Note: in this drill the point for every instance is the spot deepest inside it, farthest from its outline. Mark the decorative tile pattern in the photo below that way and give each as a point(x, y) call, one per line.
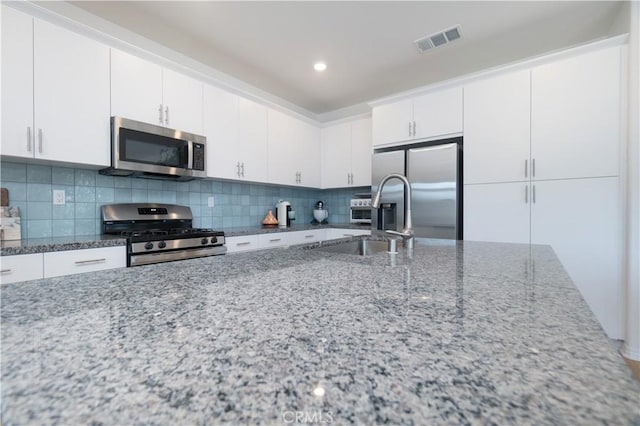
point(236, 203)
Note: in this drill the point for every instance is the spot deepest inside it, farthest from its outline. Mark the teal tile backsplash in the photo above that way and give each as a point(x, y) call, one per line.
point(236, 203)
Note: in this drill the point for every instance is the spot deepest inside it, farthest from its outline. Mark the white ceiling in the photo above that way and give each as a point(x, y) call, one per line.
point(367, 45)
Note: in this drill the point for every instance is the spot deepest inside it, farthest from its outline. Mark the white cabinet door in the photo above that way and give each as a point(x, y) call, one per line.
point(307, 148)
point(22, 267)
point(71, 94)
point(438, 113)
point(580, 219)
point(392, 122)
point(497, 129)
point(252, 140)
point(361, 152)
point(306, 237)
point(575, 116)
point(182, 100)
point(88, 260)
point(136, 88)
point(282, 154)
point(17, 84)
point(221, 130)
point(241, 243)
point(497, 212)
point(336, 156)
point(273, 240)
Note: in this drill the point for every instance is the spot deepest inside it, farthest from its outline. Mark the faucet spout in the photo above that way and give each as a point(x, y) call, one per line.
point(407, 231)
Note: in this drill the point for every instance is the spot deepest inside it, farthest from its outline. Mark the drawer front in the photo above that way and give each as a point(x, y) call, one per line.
point(22, 267)
point(78, 261)
point(307, 237)
point(242, 243)
point(333, 234)
point(276, 239)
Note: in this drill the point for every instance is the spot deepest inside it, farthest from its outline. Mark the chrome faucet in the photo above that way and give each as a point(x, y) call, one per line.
point(407, 231)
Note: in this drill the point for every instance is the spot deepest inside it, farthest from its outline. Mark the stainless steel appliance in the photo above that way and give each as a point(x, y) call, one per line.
point(434, 170)
point(146, 150)
point(160, 232)
point(360, 210)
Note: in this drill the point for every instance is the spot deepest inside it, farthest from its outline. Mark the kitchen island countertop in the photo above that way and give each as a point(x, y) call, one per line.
point(462, 333)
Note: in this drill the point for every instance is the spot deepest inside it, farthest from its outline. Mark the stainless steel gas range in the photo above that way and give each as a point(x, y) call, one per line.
point(160, 232)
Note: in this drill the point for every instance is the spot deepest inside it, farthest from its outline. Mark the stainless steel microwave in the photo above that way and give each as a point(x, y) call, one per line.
point(146, 150)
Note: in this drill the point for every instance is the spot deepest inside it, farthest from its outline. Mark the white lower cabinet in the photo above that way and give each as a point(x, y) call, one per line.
point(35, 266)
point(579, 218)
point(272, 240)
point(333, 233)
point(241, 243)
point(22, 267)
point(71, 262)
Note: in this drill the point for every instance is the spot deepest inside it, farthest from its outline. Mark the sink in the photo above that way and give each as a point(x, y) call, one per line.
point(360, 247)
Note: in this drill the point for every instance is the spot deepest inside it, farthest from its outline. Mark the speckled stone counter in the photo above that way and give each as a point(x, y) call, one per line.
point(43, 245)
point(472, 333)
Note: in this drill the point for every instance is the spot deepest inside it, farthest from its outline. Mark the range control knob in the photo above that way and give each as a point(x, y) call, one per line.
point(204, 241)
point(148, 246)
point(162, 244)
point(214, 240)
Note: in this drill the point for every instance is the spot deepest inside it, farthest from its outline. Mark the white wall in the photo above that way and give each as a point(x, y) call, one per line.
point(632, 333)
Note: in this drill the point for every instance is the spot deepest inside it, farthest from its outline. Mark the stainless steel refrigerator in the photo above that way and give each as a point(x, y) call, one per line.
point(435, 172)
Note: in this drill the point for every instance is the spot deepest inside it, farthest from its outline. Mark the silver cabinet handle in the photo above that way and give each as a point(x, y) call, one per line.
point(348, 178)
point(349, 235)
point(533, 168)
point(242, 169)
point(238, 169)
point(534, 194)
point(308, 236)
point(5, 271)
point(526, 194)
point(166, 115)
point(526, 168)
point(244, 243)
point(410, 129)
point(87, 262)
point(299, 177)
point(414, 129)
point(40, 141)
point(160, 117)
point(275, 240)
point(28, 138)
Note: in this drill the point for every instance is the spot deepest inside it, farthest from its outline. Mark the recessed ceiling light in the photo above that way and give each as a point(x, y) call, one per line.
point(319, 66)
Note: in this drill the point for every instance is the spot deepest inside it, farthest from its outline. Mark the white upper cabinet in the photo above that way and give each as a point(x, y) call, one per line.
point(575, 116)
point(221, 130)
point(136, 88)
point(361, 151)
point(55, 105)
point(423, 117)
point(497, 115)
point(336, 155)
point(236, 131)
point(144, 91)
point(437, 114)
point(346, 154)
point(252, 140)
point(294, 151)
point(17, 83)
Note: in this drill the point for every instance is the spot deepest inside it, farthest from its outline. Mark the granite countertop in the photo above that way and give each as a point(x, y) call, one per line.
point(464, 333)
point(43, 245)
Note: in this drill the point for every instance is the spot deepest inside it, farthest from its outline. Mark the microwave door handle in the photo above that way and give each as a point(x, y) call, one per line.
point(190, 155)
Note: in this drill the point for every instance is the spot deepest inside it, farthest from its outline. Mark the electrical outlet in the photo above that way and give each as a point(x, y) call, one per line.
point(59, 196)
point(210, 202)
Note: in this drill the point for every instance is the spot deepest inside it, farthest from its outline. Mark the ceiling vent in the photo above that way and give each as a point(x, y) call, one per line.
point(438, 39)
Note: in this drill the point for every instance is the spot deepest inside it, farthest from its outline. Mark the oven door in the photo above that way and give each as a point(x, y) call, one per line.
point(360, 215)
point(142, 147)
